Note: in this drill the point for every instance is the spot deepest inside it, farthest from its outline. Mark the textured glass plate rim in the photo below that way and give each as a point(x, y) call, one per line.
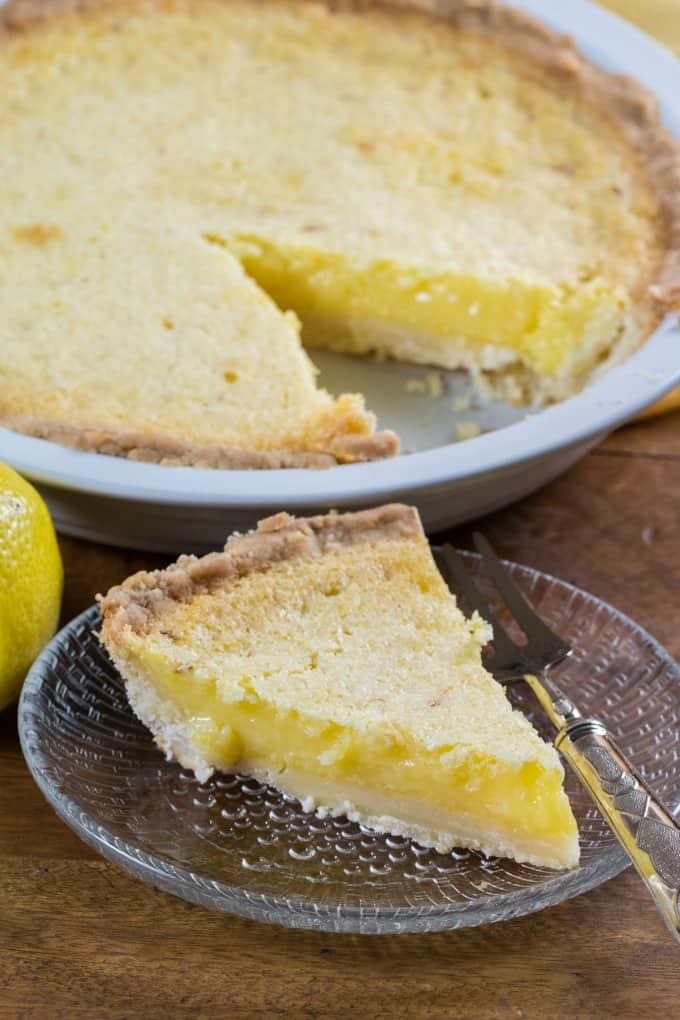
point(294, 910)
point(610, 42)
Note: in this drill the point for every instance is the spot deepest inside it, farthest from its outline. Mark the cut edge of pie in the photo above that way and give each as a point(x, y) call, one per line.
point(211, 733)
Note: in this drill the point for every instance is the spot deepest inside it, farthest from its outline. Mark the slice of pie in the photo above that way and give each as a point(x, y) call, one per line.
point(327, 657)
point(446, 183)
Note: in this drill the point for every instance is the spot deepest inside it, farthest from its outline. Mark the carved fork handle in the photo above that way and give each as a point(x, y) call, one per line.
point(648, 834)
point(645, 830)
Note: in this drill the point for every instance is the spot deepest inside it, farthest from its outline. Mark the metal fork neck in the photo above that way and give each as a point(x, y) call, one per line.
point(560, 710)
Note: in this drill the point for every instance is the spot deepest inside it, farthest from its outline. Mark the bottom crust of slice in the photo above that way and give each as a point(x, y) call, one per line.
point(413, 820)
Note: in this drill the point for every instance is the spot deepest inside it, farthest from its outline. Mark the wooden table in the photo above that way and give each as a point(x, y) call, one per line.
point(78, 938)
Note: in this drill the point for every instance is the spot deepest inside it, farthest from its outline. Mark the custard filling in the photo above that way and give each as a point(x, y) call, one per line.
point(450, 779)
point(541, 324)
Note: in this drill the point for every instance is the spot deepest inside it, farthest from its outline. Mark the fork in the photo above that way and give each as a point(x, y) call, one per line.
point(646, 831)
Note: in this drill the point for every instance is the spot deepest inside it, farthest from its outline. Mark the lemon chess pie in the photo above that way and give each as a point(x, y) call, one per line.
point(326, 656)
point(447, 183)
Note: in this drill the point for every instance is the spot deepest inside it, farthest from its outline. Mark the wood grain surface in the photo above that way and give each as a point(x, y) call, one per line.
point(79, 939)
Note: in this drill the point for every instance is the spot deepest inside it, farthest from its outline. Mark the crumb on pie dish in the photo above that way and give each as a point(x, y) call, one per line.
point(327, 657)
point(195, 189)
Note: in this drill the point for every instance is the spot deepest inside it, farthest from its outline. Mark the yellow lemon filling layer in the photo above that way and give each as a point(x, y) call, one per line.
point(539, 323)
point(449, 779)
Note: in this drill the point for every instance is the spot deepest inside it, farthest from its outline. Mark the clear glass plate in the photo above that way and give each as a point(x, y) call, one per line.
point(234, 845)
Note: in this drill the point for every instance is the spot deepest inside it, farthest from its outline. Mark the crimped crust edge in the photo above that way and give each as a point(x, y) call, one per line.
point(147, 595)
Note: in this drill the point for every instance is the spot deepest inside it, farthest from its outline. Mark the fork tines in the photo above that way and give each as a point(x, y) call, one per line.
point(508, 659)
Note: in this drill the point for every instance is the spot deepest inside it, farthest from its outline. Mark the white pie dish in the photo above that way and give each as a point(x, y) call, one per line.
point(173, 509)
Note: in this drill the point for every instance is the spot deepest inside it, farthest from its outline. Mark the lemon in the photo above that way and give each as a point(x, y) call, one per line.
point(31, 580)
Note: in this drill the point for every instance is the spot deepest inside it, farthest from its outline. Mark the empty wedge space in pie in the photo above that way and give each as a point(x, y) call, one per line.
point(192, 189)
point(326, 656)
